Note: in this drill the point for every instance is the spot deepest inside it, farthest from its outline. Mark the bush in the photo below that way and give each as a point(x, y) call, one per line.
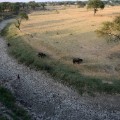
point(9, 101)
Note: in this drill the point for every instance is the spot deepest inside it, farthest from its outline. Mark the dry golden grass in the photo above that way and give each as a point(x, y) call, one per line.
point(71, 33)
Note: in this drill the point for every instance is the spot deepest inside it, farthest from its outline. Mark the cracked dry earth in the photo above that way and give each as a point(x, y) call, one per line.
point(49, 100)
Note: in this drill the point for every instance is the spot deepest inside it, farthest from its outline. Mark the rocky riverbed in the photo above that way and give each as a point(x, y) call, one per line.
point(48, 100)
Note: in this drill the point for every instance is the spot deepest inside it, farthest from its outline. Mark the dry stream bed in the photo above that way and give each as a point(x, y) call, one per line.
point(49, 100)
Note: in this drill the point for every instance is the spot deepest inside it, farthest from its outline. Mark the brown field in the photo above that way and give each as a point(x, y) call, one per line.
point(69, 33)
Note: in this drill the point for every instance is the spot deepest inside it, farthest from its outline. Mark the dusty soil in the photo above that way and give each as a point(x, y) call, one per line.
point(71, 33)
point(49, 100)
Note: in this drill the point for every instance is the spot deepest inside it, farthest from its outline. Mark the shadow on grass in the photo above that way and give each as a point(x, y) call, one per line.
point(61, 72)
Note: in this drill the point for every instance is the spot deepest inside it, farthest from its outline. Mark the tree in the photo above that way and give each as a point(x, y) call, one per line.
point(80, 4)
point(22, 16)
point(111, 30)
point(0, 11)
point(43, 5)
point(16, 8)
point(95, 4)
point(5, 7)
point(33, 4)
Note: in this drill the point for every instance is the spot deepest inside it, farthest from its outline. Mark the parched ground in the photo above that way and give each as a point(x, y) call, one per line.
point(48, 100)
point(70, 32)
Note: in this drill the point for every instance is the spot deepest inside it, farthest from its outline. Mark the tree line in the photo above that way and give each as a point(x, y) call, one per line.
point(8, 9)
point(109, 29)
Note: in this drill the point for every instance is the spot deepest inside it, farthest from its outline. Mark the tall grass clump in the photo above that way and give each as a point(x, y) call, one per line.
point(9, 101)
point(61, 72)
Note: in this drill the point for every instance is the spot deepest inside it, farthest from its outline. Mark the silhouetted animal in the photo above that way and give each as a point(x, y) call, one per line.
point(18, 76)
point(8, 44)
point(31, 35)
point(77, 60)
point(40, 54)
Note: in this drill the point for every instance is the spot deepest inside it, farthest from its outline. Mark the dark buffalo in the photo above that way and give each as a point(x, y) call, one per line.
point(8, 44)
point(42, 55)
point(77, 60)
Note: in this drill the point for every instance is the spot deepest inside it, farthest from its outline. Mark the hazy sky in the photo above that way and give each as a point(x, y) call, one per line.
point(34, 0)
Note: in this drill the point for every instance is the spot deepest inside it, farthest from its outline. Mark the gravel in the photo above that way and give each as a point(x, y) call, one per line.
point(49, 100)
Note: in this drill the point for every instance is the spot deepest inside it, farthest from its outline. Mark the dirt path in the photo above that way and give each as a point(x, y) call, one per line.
point(48, 100)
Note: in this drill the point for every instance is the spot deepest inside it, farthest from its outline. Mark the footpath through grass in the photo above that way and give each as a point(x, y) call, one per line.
point(24, 53)
point(8, 100)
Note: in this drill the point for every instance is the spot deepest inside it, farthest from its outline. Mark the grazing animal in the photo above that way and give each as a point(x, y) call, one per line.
point(42, 55)
point(8, 44)
point(18, 76)
point(77, 60)
point(31, 36)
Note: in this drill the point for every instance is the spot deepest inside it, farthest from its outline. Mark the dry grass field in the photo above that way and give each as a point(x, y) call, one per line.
point(69, 33)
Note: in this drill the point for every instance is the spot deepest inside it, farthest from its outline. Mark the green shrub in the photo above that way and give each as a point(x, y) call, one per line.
point(3, 118)
point(9, 101)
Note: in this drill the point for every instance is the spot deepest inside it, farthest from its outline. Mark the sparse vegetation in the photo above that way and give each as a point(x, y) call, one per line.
point(3, 118)
point(80, 4)
point(111, 30)
point(60, 39)
point(43, 6)
point(95, 4)
point(9, 10)
point(8, 100)
point(68, 75)
point(33, 4)
point(53, 37)
point(22, 16)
